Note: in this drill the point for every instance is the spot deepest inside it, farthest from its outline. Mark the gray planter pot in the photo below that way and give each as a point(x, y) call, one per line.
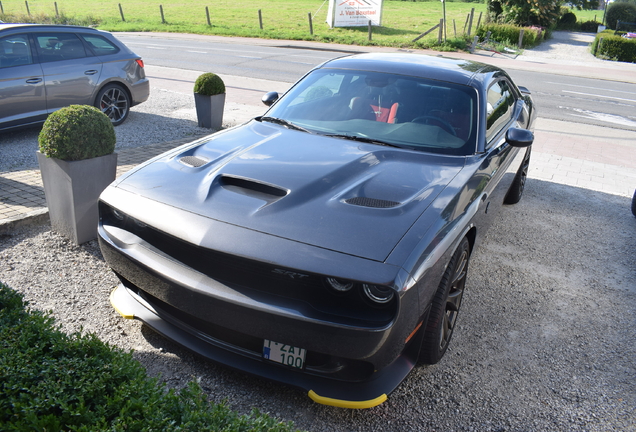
point(210, 110)
point(72, 190)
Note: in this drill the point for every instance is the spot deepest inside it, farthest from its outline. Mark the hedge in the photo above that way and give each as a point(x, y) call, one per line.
point(52, 381)
point(509, 34)
point(614, 47)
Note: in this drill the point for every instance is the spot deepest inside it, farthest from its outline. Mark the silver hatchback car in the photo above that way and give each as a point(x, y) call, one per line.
point(46, 67)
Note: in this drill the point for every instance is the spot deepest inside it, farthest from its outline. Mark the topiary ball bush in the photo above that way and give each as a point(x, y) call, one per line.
point(620, 12)
point(209, 84)
point(568, 19)
point(77, 132)
point(590, 26)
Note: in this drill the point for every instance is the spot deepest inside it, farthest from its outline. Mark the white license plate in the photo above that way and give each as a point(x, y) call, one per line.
point(284, 354)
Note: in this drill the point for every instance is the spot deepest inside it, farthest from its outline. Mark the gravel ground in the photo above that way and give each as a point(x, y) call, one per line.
point(546, 338)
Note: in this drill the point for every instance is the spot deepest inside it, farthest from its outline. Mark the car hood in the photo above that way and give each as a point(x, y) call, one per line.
point(342, 195)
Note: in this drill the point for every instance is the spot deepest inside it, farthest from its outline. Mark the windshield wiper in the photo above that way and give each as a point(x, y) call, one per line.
point(363, 139)
point(283, 122)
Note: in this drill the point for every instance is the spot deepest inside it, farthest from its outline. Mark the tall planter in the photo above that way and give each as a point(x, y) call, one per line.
point(72, 189)
point(210, 110)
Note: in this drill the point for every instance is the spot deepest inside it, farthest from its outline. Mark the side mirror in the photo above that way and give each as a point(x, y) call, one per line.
point(269, 98)
point(519, 137)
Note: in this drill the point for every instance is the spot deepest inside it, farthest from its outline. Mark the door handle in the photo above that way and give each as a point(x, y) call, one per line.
point(90, 72)
point(34, 80)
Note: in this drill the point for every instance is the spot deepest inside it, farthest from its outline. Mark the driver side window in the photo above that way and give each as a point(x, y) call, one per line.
point(500, 108)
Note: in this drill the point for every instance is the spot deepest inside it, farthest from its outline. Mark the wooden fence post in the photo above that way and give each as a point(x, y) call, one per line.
point(27, 6)
point(207, 14)
point(370, 30)
point(57, 14)
point(454, 28)
point(441, 31)
point(466, 23)
point(260, 19)
point(163, 20)
point(1, 8)
point(470, 22)
point(121, 12)
point(478, 21)
point(520, 39)
point(311, 24)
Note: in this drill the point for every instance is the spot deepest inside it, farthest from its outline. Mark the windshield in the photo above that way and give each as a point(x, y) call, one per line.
point(402, 111)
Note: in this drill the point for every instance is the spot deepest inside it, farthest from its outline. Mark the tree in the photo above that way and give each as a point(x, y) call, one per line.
point(544, 13)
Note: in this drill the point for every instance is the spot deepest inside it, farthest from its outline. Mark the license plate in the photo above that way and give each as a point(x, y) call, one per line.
point(284, 354)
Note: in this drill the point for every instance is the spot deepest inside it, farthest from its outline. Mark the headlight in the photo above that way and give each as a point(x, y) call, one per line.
point(378, 294)
point(340, 285)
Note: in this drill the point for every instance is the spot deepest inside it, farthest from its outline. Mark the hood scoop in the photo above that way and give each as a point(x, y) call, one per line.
point(193, 161)
point(252, 188)
point(372, 202)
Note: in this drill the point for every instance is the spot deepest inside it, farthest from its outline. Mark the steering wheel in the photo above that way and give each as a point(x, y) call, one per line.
point(429, 120)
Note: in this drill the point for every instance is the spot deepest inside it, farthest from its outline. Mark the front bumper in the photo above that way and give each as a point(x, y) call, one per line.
point(355, 395)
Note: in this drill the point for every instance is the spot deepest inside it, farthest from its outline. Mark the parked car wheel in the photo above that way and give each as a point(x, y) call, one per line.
point(114, 101)
point(634, 204)
point(448, 299)
point(519, 183)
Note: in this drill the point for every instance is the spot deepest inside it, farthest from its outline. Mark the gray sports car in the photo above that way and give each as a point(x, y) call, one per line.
point(325, 244)
point(46, 67)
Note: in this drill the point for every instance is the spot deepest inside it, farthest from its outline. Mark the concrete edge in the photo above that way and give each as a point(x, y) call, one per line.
point(36, 217)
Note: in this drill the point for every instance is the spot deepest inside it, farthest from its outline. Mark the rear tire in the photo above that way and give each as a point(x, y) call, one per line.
point(519, 183)
point(114, 101)
point(445, 306)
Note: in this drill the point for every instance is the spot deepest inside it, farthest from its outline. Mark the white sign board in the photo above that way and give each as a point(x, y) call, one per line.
point(354, 13)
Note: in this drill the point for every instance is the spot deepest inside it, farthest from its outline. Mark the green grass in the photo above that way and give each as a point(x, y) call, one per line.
point(402, 21)
point(51, 381)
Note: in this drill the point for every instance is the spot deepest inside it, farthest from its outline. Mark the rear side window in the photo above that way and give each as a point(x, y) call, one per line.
point(59, 46)
point(501, 101)
point(15, 51)
point(100, 45)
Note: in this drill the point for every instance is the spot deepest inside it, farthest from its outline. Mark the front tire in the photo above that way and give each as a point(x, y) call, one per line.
point(114, 101)
point(634, 204)
point(445, 307)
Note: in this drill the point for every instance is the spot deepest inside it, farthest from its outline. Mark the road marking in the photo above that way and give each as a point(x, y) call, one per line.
point(589, 88)
point(197, 52)
point(607, 118)
point(601, 96)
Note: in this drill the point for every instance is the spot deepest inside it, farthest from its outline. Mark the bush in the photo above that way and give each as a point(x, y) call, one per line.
point(509, 34)
point(52, 381)
point(209, 84)
point(77, 132)
point(568, 19)
point(590, 26)
point(620, 12)
point(614, 47)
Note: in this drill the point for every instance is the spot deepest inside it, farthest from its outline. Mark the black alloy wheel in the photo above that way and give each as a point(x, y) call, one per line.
point(445, 307)
point(114, 101)
point(519, 183)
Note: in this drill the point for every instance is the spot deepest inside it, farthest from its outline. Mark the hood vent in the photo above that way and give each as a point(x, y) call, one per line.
point(371, 202)
point(252, 188)
point(193, 161)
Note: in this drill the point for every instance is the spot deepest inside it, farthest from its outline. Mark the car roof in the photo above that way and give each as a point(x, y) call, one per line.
point(438, 68)
point(12, 26)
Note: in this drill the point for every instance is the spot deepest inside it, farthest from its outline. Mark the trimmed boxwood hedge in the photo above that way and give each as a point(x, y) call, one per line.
point(614, 47)
point(209, 84)
point(77, 132)
point(52, 381)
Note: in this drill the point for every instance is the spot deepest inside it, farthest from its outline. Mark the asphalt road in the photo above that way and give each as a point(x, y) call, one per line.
point(575, 99)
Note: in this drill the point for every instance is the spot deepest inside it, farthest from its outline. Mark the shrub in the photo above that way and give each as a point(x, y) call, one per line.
point(77, 132)
point(209, 84)
point(614, 47)
point(620, 12)
point(590, 26)
point(52, 381)
point(568, 19)
point(509, 34)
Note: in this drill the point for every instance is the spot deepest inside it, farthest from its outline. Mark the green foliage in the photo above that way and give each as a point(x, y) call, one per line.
point(51, 381)
point(568, 19)
point(509, 34)
point(620, 12)
point(590, 26)
point(209, 84)
point(77, 132)
point(614, 47)
point(544, 13)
